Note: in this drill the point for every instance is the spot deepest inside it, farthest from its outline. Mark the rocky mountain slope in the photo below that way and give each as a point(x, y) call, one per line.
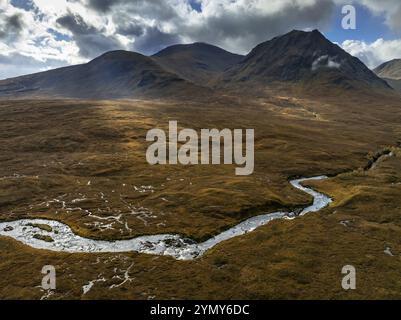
point(302, 57)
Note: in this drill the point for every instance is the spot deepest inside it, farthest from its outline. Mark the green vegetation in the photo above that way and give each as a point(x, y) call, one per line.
point(43, 238)
point(44, 227)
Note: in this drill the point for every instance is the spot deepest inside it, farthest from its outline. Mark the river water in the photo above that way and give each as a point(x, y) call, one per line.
point(64, 239)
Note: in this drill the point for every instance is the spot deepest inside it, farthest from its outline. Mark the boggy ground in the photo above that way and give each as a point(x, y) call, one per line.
point(83, 163)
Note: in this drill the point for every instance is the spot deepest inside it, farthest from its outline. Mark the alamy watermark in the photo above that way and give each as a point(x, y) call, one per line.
point(349, 20)
point(49, 280)
point(204, 149)
point(349, 280)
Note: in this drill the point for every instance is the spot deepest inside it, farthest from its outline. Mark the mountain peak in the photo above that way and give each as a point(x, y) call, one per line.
point(119, 55)
point(302, 57)
point(303, 32)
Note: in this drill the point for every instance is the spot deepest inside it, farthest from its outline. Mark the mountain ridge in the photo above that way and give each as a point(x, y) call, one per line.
point(196, 62)
point(298, 57)
point(115, 74)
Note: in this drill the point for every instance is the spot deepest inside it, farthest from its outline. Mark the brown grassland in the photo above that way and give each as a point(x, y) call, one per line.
point(71, 160)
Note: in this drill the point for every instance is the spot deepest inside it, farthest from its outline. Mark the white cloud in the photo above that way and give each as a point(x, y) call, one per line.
point(375, 53)
point(35, 48)
point(325, 62)
point(90, 27)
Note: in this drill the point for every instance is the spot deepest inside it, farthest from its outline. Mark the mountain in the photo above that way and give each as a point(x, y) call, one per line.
point(306, 58)
point(391, 72)
point(116, 74)
point(196, 62)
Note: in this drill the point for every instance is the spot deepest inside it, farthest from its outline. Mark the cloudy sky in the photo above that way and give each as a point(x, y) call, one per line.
point(37, 35)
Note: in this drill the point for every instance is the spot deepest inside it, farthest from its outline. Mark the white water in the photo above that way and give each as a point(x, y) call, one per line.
point(164, 244)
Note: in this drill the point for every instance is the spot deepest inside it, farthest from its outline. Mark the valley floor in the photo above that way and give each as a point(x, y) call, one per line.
point(83, 163)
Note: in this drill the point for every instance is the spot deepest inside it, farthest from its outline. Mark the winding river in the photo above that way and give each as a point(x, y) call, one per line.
point(64, 239)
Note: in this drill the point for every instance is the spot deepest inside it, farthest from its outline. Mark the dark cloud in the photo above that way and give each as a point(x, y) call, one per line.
point(154, 40)
point(143, 23)
point(76, 24)
point(91, 41)
point(103, 5)
point(129, 27)
point(152, 9)
point(11, 27)
point(148, 26)
point(237, 30)
point(241, 31)
point(15, 22)
point(158, 10)
point(129, 17)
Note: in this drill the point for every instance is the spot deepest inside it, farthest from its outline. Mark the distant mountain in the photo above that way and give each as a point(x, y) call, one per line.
point(390, 70)
point(305, 58)
point(116, 74)
point(302, 57)
point(196, 62)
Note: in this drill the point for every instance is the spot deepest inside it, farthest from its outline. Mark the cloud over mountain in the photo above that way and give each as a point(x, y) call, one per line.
point(74, 31)
point(375, 53)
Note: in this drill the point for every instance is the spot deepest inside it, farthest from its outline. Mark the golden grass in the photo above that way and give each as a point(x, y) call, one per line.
point(88, 152)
